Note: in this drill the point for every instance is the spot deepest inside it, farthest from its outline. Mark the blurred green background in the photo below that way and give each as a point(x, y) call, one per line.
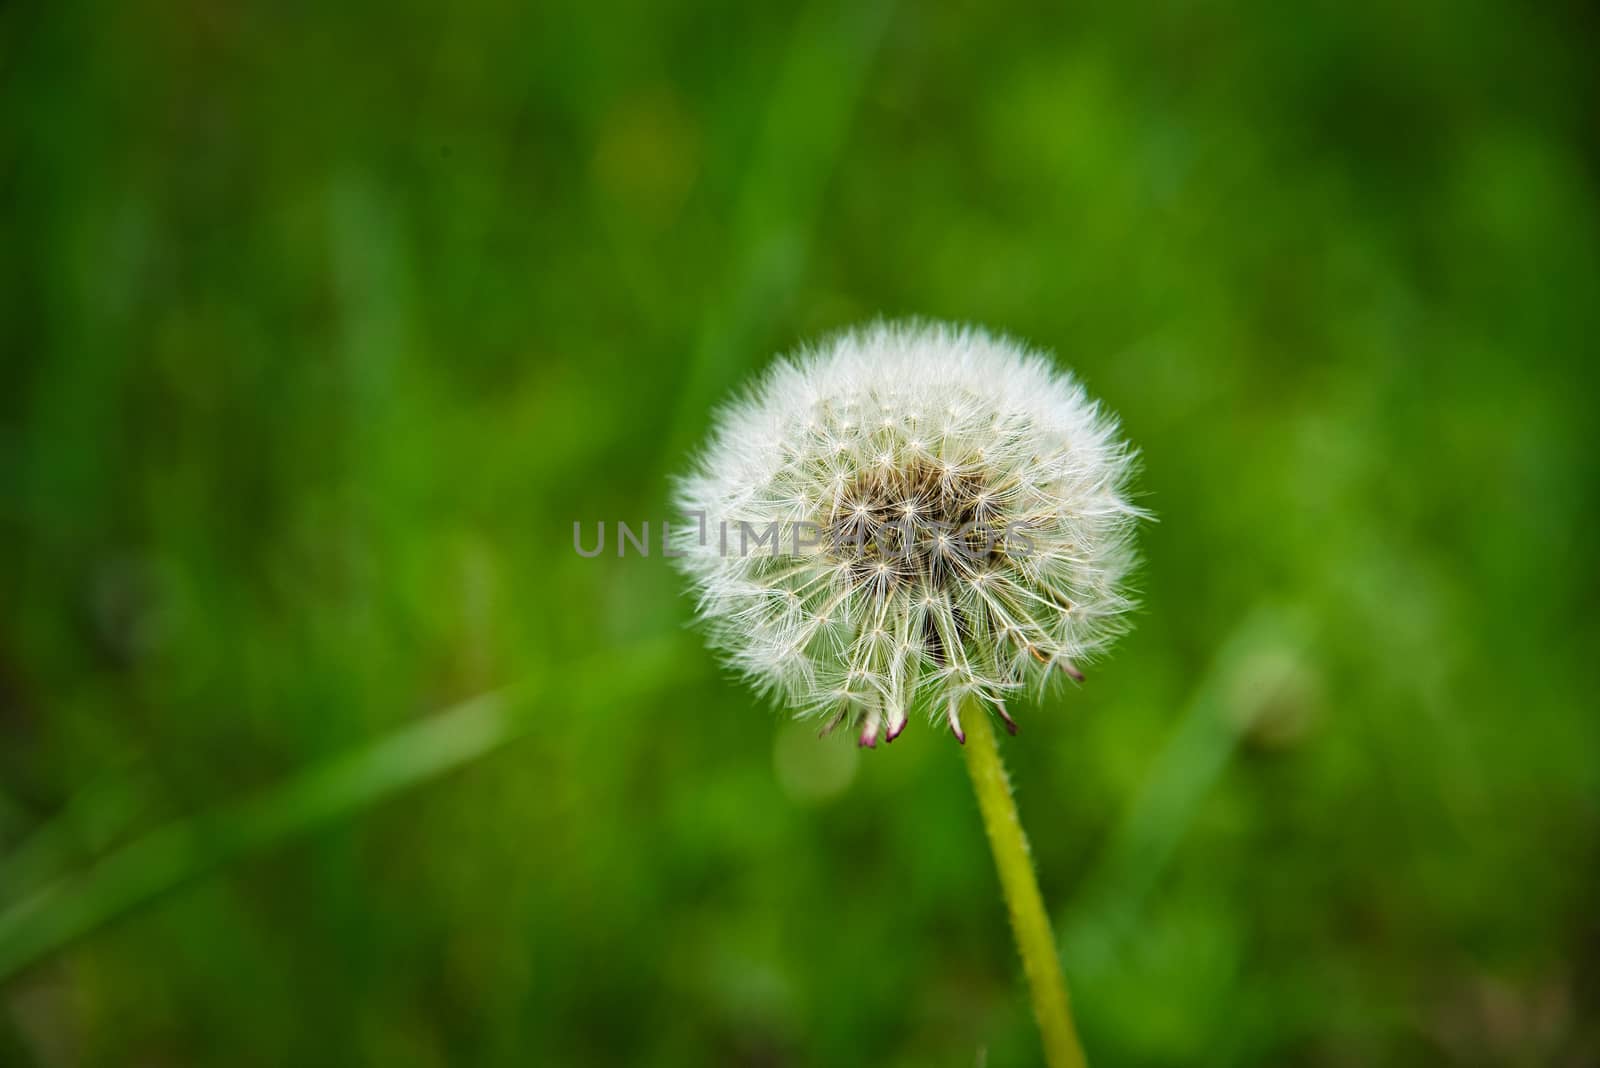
point(322, 324)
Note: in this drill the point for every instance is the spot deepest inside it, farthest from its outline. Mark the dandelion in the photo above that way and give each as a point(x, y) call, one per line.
point(928, 520)
point(968, 518)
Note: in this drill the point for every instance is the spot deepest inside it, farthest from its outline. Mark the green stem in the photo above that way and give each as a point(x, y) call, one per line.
point(1035, 937)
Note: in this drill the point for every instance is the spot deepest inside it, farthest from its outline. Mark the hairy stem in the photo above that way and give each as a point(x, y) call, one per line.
point(1035, 937)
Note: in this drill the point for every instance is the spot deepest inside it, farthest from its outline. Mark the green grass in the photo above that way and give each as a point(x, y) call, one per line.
point(320, 328)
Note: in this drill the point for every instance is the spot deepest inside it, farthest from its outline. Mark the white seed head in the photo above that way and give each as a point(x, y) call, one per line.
point(951, 521)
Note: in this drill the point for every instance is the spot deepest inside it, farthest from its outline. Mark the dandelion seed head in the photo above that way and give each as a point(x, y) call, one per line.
point(968, 509)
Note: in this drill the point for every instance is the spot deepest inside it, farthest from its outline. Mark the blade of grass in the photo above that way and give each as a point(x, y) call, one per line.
point(775, 213)
point(94, 818)
point(1111, 900)
point(186, 849)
